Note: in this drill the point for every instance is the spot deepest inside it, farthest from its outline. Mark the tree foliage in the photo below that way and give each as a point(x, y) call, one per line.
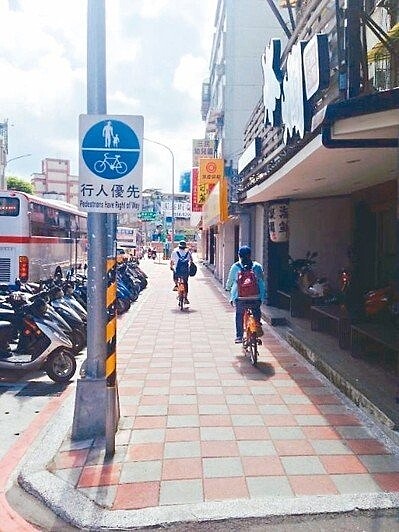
point(16, 183)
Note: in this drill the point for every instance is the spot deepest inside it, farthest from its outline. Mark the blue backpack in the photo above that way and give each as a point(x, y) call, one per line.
point(182, 266)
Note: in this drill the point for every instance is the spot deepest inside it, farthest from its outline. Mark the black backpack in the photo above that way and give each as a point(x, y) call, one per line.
point(182, 266)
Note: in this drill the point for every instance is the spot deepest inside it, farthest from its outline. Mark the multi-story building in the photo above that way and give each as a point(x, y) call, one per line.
point(56, 181)
point(242, 29)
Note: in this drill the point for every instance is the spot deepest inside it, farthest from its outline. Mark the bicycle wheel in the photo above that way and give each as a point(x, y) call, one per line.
point(253, 349)
point(100, 166)
point(121, 168)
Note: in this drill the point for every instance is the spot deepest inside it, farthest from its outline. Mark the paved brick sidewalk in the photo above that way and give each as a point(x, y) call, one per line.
point(199, 423)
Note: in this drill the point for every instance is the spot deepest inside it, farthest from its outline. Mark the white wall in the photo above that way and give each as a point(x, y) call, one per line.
point(325, 226)
point(259, 236)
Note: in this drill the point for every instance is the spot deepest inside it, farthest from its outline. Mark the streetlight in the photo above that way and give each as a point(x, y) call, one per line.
point(3, 167)
point(172, 240)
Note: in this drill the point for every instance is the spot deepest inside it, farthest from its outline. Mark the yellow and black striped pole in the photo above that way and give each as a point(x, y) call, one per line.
point(110, 333)
point(112, 413)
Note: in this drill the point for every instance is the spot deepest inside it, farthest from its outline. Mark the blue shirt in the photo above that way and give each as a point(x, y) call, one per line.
point(231, 283)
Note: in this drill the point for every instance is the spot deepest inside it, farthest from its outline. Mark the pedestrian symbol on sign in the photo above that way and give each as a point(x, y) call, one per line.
point(110, 149)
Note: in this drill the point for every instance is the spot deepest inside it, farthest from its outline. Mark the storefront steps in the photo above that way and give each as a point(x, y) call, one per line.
point(371, 387)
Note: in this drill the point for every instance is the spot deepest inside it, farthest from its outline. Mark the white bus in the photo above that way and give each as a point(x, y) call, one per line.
point(37, 235)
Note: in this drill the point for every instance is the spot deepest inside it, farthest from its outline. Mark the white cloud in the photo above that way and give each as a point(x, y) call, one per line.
point(190, 74)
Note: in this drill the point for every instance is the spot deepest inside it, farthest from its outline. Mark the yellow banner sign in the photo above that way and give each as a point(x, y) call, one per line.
point(210, 171)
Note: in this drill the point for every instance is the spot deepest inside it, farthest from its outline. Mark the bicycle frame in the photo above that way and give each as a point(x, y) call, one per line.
point(250, 338)
point(181, 292)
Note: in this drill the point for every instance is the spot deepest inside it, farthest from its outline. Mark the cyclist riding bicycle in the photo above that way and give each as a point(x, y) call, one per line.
point(180, 261)
point(247, 288)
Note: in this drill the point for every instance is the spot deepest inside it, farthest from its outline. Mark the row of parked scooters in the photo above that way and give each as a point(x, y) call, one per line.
point(43, 326)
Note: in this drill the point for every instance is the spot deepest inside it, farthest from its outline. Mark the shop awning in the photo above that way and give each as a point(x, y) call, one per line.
point(379, 50)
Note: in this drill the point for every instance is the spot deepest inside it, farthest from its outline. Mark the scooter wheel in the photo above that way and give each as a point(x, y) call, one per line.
point(61, 365)
point(78, 341)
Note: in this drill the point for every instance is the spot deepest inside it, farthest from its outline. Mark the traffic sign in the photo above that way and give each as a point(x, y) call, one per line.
point(147, 216)
point(110, 163)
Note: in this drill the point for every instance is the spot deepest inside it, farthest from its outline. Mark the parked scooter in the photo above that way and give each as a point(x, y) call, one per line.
point(303, 278)
point(41, 344)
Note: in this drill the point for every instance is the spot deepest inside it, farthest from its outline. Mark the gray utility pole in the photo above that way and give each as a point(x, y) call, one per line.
point(90, 405)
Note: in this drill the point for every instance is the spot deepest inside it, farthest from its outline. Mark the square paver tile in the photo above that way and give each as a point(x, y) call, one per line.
point(302, 465)
point(256, 466)
point(182, 449)
point(274, 409)
point(362, 483)
point(182, 468)
point(220, 489)
point(274, 486)
point(310, 421)
point(286, 433)
point(183, 421)
point(330, 447)
point(385, 463)
point(181, 492)
point(313, 485)
point(243, 420)
point(240, 400)
point(354, 433)
point(152, 410)
point(141, 471)
point(147, 436)
point(345, 464)
point(256, 448)
point(387, 481)
point(216, 433)
point(222, 467)
point(213, 409)
point(136, 495)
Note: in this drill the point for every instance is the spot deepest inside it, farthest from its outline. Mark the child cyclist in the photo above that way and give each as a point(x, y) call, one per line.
point(247, 288)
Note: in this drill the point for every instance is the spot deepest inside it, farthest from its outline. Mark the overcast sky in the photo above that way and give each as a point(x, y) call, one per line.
point(157, 57)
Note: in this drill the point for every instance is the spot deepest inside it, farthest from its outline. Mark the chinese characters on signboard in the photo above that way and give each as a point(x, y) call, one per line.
point(278, 222)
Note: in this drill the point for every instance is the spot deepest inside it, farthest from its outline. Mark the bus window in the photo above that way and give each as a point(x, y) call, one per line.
point(9, 206)
point(38, 226)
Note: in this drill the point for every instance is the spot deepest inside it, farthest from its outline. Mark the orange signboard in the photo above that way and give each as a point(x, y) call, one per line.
point(210, 171)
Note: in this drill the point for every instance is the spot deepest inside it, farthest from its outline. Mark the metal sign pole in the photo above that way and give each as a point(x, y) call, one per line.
point(90, 404)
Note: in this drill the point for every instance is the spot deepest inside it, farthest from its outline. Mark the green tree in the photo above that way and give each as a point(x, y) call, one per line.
point(16, 183)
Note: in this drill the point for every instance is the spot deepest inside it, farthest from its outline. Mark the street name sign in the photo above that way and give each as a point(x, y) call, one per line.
point(111, 163)
point(147, 216)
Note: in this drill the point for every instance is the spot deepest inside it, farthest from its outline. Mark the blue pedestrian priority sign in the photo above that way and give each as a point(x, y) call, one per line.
point(110, 163)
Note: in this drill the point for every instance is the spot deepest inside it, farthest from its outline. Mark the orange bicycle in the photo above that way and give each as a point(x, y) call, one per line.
point(181, 293)
point(250, 339)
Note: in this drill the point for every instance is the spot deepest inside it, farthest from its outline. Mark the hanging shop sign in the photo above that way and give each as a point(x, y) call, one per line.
point(215, 209)
point(286, 95)
point(210, 171)
point(278, 222)
point(272, 85)
point(195, 205)
point(202, 149)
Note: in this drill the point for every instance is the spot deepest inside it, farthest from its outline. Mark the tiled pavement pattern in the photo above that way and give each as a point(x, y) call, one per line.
point(199, 423)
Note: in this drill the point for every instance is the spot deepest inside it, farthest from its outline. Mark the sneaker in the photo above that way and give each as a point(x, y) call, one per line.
point(238, 340)
point(186, 301)
point(174, 289)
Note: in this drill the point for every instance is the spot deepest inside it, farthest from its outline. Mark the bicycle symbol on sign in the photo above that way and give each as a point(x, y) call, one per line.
point(112, 162)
